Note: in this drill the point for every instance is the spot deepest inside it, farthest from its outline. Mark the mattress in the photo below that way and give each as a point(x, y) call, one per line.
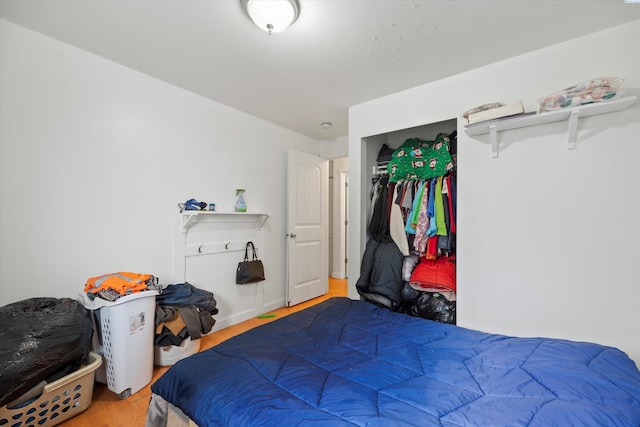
point(351, 363)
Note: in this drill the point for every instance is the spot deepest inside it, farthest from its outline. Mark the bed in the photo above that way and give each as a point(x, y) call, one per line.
point(351, 363)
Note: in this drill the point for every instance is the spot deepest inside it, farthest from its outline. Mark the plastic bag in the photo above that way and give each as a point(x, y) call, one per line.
point(39, 337)
point(434, 306)
point(587, 92)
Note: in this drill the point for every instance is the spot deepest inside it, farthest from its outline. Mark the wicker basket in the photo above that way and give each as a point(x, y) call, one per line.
point(59, 401)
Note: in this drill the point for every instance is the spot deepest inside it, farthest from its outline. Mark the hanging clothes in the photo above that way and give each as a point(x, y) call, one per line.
point(396, 223)
point(421, 159)
point(409, 262)
point(423, 226)
point(412, 218)
point(441, 227)
point(446, 243)
point(379, 225)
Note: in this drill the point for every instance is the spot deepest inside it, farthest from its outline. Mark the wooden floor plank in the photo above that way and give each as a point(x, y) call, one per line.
point(107, 410)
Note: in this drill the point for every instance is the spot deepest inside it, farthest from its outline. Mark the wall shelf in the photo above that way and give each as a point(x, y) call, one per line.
point(492, 127)
point(190, 217)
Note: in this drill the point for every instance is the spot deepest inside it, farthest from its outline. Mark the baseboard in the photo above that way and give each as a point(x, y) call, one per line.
point(241, 317)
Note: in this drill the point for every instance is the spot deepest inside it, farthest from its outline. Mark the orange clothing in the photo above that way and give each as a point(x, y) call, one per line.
point(123, 282)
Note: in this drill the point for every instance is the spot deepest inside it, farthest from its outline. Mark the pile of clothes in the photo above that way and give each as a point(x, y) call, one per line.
point(112, 286)
point(183, 311)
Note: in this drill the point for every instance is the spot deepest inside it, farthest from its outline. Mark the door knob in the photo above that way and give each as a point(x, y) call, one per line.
point(292, 235)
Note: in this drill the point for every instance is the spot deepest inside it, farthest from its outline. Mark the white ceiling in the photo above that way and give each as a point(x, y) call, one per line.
point(338, 53)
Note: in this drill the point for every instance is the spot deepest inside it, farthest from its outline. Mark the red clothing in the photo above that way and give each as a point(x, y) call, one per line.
point(432, 248)
point(435, 274)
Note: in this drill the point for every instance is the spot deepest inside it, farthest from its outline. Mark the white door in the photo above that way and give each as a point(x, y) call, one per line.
point(307, 227)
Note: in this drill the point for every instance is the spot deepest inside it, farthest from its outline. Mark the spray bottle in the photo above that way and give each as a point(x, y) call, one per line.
point(241, 206)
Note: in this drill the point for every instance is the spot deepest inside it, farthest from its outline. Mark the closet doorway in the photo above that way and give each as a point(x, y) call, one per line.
point(338, 217)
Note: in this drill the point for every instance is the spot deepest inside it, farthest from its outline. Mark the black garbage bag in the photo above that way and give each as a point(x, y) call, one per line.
point(409, 294)
point(434, 306)
point(38, 338)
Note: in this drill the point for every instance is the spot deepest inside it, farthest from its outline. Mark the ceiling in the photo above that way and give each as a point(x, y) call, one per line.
point(337, 54)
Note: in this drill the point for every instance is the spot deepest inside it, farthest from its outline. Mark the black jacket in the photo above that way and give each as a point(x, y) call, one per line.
point(381, 273)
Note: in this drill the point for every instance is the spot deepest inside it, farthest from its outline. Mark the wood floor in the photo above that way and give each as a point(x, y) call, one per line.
point(107, 410)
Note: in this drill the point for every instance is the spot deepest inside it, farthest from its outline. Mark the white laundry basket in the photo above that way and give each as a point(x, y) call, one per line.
point(123, 336)
point(170, 354)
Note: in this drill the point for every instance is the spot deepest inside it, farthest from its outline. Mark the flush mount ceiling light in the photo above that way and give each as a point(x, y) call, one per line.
point(271, 15)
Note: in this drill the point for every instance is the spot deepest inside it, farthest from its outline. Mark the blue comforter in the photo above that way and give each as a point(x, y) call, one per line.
point(350, 363)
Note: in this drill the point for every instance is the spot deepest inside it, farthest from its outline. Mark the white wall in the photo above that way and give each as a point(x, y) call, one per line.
point(95, 157)
point(548, 238)
point(334, 148)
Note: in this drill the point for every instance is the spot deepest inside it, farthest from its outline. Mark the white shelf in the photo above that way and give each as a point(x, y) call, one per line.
point(189, 217)
point(572, 114)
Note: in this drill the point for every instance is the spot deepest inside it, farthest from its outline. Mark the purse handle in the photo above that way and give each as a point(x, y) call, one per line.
point(246, 251)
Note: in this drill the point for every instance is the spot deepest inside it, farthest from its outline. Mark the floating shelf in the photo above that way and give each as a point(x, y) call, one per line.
point(189, 217)
point(572, 114)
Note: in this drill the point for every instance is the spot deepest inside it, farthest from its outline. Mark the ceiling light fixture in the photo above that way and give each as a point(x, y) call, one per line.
point(271, 15)
point(326, 125)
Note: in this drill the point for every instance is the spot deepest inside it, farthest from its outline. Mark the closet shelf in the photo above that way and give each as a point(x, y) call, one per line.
point(190, 217)
point(492, 127)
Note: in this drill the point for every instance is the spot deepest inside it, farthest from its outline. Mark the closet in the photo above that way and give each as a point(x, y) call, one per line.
point(408, 263)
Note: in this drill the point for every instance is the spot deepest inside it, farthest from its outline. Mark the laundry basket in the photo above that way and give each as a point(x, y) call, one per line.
point(170, 354)
point(123, 335)
point(62, 399)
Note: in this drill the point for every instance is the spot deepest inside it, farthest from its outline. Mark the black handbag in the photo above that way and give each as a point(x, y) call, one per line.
point(249, 271)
